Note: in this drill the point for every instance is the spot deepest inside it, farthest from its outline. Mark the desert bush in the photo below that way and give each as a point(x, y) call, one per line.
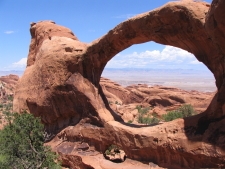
point(142, 111)
point(184, 111)
point(187, 110)
point(147, 120)
point(130, 121)
point(172, 115)
point(113, 147)
point(21, 144)
point(118, 103)
point(107, 152)
point(8, 107)
point(144, 118)
point(110, 102)
point(10, 98)
point(138, 108)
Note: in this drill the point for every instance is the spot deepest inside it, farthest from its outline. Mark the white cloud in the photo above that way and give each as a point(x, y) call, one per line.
point(169, 57)
point(20, 65)
point(125, 16)
point(22, 62)
point(195, 62)
point(9, 32)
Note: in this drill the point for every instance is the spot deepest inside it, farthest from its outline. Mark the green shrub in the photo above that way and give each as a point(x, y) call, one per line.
point(107, 152)
point(21, 144)
point(118, 103)
point(142, 118)
point(130, 121)
point(8, 107)
point(142, 111)
point(138, 108)
point(147, 120)
point(184, 111)
point(110, 102)
point(172, 115)
point(113, 147)
point(10, 98)
point(187, 110)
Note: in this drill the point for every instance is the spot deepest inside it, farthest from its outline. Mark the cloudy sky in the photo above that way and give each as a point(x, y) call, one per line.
point(168, 57)
point(89, 20)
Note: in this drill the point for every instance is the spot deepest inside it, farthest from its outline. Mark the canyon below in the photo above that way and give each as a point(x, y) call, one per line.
point(76, 152)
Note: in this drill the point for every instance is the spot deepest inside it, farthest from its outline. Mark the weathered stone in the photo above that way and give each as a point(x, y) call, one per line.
point(61, 85)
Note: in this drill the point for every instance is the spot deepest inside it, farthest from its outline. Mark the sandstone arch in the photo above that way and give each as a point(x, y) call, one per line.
point(61, 84)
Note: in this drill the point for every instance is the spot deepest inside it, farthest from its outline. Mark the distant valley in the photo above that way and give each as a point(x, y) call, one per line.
point(186, 79)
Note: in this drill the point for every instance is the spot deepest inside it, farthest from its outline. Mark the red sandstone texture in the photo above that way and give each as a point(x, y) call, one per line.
point(9, 81)
point(61, 85)
point(7, 85)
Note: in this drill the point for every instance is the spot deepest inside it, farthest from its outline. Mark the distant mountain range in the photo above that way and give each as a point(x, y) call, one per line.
point(14, 72)
point(186, 79)
point(130, 70)
point(156, 70)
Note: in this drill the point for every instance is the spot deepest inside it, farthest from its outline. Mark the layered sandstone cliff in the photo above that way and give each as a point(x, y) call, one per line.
point(61, 85)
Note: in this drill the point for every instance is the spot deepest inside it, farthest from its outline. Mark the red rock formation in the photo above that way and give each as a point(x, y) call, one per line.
point(125, 100)
point(10, 80)
point(61, 85)
point(42, 31)
point(7, 85)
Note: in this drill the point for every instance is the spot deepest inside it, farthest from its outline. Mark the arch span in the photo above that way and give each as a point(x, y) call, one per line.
point(173, 24)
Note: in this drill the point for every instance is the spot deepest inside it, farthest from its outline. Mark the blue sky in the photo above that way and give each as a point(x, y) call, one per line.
point(89, 20)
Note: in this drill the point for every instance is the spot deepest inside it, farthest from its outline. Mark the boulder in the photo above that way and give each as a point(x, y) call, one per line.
point(115, 154)
point(158, 112)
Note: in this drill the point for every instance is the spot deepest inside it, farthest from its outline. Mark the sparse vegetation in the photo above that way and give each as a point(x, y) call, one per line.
point(21, 143)
point(115, 154)
point(130, 121)
point(118, 103)
point(144, 118)
point(10, 98)
point(113, 147)
point(184, 111)
point(112, 150)
point(142, 111)
point(172, 115)
point(147, 120)
point(6, 107)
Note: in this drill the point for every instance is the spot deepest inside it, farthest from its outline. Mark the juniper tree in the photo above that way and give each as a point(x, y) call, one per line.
point(21, 144)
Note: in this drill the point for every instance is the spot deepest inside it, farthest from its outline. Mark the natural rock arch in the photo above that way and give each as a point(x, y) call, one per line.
point(61, 84)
